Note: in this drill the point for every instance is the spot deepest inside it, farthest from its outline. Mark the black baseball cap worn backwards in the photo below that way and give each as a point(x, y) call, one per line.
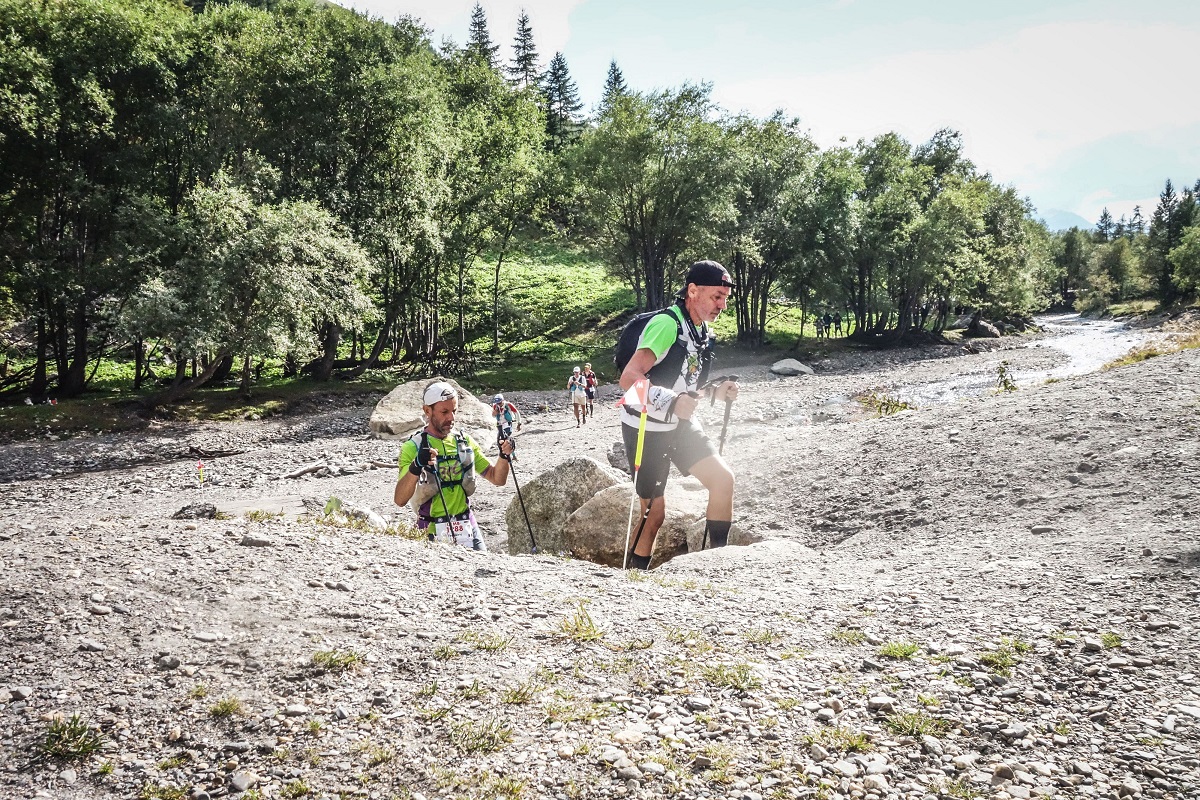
point(707, 273)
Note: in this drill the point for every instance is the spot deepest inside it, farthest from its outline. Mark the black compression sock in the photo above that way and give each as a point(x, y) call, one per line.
point(717, 532)
point(639, 562)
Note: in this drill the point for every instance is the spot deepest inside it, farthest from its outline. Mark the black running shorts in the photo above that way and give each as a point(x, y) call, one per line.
point(684, 447)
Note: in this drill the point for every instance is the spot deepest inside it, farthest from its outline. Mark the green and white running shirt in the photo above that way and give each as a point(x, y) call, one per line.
point(662, 331)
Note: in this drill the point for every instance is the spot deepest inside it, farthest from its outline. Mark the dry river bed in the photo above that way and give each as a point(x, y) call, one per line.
point(989, 597)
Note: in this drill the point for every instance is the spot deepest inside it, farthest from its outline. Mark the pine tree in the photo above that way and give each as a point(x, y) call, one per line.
point(1137, 225)
point(523, 69)
point(562, 104)
point(1104, 228)
point(1165, 233)
point(479, 41)
point(614, 87)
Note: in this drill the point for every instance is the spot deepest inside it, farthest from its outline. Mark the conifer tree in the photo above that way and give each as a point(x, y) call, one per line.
point(614, 87)
point(523, 69)
point(562, 104)
point(1137, 225)
point(479, 41)
point(1104, 228)
point(1165, 233)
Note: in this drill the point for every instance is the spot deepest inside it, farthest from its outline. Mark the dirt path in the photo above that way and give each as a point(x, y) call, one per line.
point(988, 597)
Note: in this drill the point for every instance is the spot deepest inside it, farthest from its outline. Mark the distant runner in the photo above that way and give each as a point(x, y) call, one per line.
point(577, 389)
point(589, 386)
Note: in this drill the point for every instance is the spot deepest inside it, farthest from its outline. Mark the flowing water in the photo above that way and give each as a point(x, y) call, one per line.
point(1086, 344)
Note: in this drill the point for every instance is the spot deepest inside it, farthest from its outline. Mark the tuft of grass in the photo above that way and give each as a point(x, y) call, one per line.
point(486, 736)
point(227, 707)
point(884, 404)
point(1004, 378)
point(71, 739)
point(962, 789)
point(259, 515)
point(428, 689)
point(1005, 657)
point(445, 652)
point(840, 739)
point(153, 791)
point(580, 627)
point(472, 692)
point(1111, 640)
point(852, 636)
point(916, 723)
point(198, 692)
point(928, 700)
point(1062, 728)
point(735, 676)
point(760, 636)
point(901, 651)
point(380, 755)
point(520, 694)
point(337, 661)
point(1146, 352)
point(432, 714)
point(173, 762)
point(489, 642)
point(297, 788)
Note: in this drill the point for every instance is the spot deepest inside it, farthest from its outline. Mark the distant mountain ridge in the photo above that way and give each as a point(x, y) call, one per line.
point(1058, 220)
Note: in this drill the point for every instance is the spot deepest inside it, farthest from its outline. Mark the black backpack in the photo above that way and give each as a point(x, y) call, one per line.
point(672, 363)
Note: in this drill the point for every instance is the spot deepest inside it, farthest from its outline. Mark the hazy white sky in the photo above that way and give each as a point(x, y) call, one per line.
point(1080, 104)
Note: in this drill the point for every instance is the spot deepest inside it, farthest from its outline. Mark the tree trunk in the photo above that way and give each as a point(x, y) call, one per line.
point(40, 379)
point(331, 335)
point(181, 389)
point(74, 381)
point(139, 362)
point(244, 385)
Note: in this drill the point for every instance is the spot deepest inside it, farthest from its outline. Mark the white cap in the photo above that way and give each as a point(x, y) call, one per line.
point(438, 391)
point(575, 370)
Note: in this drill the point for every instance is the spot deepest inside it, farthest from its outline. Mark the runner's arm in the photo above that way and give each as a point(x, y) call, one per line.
point(407, 483)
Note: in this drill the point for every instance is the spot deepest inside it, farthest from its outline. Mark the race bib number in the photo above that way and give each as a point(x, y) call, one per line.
point(456, 531)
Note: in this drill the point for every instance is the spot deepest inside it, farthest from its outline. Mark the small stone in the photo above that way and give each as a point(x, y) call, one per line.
point(1042, 529)
point(652, 768)
point(932, 745)
point(630, 773)
point(241, 781)
point(847, 768)
point(876, 783)
point(254, 541)
point(99, 610)
point(21, 692)
point(1003, 771)
point(297, 710)
point(1129, 788)
point(68, 776)
point(817, 753)
point(698, 703)
point(167, 662)
point(882, 703)
point(91, 646)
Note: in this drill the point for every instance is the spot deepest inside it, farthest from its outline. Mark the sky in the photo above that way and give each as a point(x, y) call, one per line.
point(1081, 105)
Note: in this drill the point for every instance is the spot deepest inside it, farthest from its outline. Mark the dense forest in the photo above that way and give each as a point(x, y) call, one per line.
point(218, 184)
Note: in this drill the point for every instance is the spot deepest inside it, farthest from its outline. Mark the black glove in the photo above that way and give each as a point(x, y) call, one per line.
point(423, 460)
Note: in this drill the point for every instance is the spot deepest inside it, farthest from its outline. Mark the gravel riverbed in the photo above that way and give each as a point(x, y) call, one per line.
point(991, 596)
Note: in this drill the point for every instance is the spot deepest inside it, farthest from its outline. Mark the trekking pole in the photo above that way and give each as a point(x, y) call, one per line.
point(500, 437)
point(728, 406)
point(638, 391)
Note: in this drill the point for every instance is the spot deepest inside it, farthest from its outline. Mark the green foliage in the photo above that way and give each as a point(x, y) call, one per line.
point(899, 650)
point(226, 708)
point(1004, 378)
point(71, 739)
point(852, 636)
point(1111, 640)
point(884, 405)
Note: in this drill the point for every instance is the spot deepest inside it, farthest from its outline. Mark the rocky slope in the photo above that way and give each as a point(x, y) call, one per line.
point(987, 598)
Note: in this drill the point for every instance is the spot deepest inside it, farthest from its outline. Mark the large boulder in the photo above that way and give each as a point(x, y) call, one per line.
point(399, 414)
point(790, 366)
point(549, 500)
point(983, 329)
point(596, 530)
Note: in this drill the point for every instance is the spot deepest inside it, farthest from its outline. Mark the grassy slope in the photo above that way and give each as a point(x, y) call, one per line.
point(561, 308)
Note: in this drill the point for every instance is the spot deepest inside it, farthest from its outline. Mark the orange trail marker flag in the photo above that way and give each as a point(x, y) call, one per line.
point(635, 399)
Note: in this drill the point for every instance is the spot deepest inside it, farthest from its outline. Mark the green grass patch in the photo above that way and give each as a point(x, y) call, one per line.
point(226, 708)
point(901, 651)
point(734, 676)
point(485, 736)
point(852, 636)
point(71, 739)
point(840, 739)
point(337, 660)
point(580, 627)
point(916, 723)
